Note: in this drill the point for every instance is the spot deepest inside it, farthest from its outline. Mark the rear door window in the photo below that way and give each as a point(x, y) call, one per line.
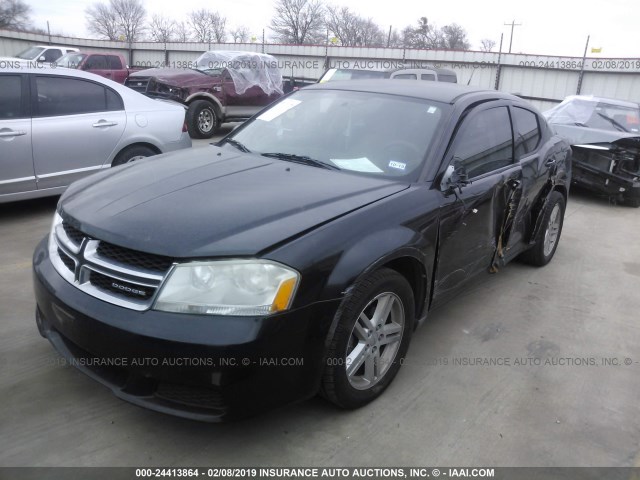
point(114, 62)
point(526, 130)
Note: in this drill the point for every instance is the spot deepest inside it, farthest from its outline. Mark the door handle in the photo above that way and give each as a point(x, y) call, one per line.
point(12, 133)
point(103, 123)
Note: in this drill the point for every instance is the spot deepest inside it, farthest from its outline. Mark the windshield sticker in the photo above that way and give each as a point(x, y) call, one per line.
point(432, 110)
point(279, 109)
point(357, 165)
point(397, 165)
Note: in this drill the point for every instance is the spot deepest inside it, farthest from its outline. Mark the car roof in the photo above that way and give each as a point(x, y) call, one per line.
point(54, 46)
point(436, 91)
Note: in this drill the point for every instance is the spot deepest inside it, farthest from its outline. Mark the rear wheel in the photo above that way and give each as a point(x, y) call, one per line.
point(548, 237)
point(131, 154)
point(202, 119)
point(371, 339)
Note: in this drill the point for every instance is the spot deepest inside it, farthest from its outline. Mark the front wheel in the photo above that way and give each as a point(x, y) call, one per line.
point(371, 339)
point(202, 119)
point(548, 237)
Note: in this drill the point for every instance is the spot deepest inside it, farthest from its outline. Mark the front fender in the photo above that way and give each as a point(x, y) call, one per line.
point(372, 252)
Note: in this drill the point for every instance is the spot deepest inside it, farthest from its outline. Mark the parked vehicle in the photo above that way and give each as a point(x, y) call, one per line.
point(109, 65)
point(299, 254)
point(221, 87)
point(430, 74)
point(58, 125)
point(43, 53)
point(605, 137)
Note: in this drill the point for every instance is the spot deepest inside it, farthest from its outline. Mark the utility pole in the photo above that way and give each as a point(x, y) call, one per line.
point(513, 24)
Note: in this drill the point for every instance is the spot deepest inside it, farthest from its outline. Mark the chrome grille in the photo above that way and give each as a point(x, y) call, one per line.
point(115, 274)
point(137, 259)
point(73, 234)
point(67, 260)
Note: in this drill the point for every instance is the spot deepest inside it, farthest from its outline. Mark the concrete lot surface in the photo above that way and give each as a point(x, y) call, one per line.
point(520, 370)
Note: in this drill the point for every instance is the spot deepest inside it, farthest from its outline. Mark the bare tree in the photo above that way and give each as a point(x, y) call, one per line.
point(208, 26)
point(161, 28)
point(14, 15)
point(486, 44)
point(424, 35)
point(351, 29)
point(429, 36)
point(299, 21)
point(240, 34)
point(455, 37)
point(182, 33)
point(102, 21)
point(130, 15)
point(342, 23)
point(371, 35)
point(118, 18)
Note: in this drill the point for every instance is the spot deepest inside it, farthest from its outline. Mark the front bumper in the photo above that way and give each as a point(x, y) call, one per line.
point(207, 368)
point(602, 181)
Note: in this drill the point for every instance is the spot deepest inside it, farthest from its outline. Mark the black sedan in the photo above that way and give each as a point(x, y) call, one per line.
point(298, 255)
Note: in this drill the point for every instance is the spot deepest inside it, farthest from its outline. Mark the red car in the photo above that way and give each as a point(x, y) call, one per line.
point(218, 87)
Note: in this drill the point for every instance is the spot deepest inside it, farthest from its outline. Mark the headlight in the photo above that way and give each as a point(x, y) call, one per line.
point(230, 287)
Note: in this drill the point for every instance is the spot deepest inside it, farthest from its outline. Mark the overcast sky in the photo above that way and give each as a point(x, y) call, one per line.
point(551, 27)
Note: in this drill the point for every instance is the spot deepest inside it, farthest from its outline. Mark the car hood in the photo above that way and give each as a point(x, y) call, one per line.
point(211, 202)
point(174, 76)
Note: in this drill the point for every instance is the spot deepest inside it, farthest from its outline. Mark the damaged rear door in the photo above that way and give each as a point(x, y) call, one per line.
point(472, 215)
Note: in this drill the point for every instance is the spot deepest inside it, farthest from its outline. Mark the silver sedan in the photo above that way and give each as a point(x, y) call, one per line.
point(58, 125)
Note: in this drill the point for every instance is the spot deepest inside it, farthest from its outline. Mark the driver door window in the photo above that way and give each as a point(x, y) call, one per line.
point(485, 142)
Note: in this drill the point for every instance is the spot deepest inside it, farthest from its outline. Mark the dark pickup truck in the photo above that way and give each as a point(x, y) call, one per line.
point(220, 86)
point(109, 65)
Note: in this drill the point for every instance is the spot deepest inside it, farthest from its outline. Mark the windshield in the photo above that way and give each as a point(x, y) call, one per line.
point(30, 53)
point(369, 134)
point(212, 72)
point(585, 112)
point(70, 60)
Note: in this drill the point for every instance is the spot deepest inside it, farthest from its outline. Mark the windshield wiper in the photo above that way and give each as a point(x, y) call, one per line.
point(290, 157)
point(240, 146)
point(613, 122)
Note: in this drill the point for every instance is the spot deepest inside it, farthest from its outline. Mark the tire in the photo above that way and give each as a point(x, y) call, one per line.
point(132, 153)
point(548, 237)
point(202, 119)
point(369, 296)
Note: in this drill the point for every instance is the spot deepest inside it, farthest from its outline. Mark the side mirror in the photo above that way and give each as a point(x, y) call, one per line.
point(455, 177)
point(42, 59)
